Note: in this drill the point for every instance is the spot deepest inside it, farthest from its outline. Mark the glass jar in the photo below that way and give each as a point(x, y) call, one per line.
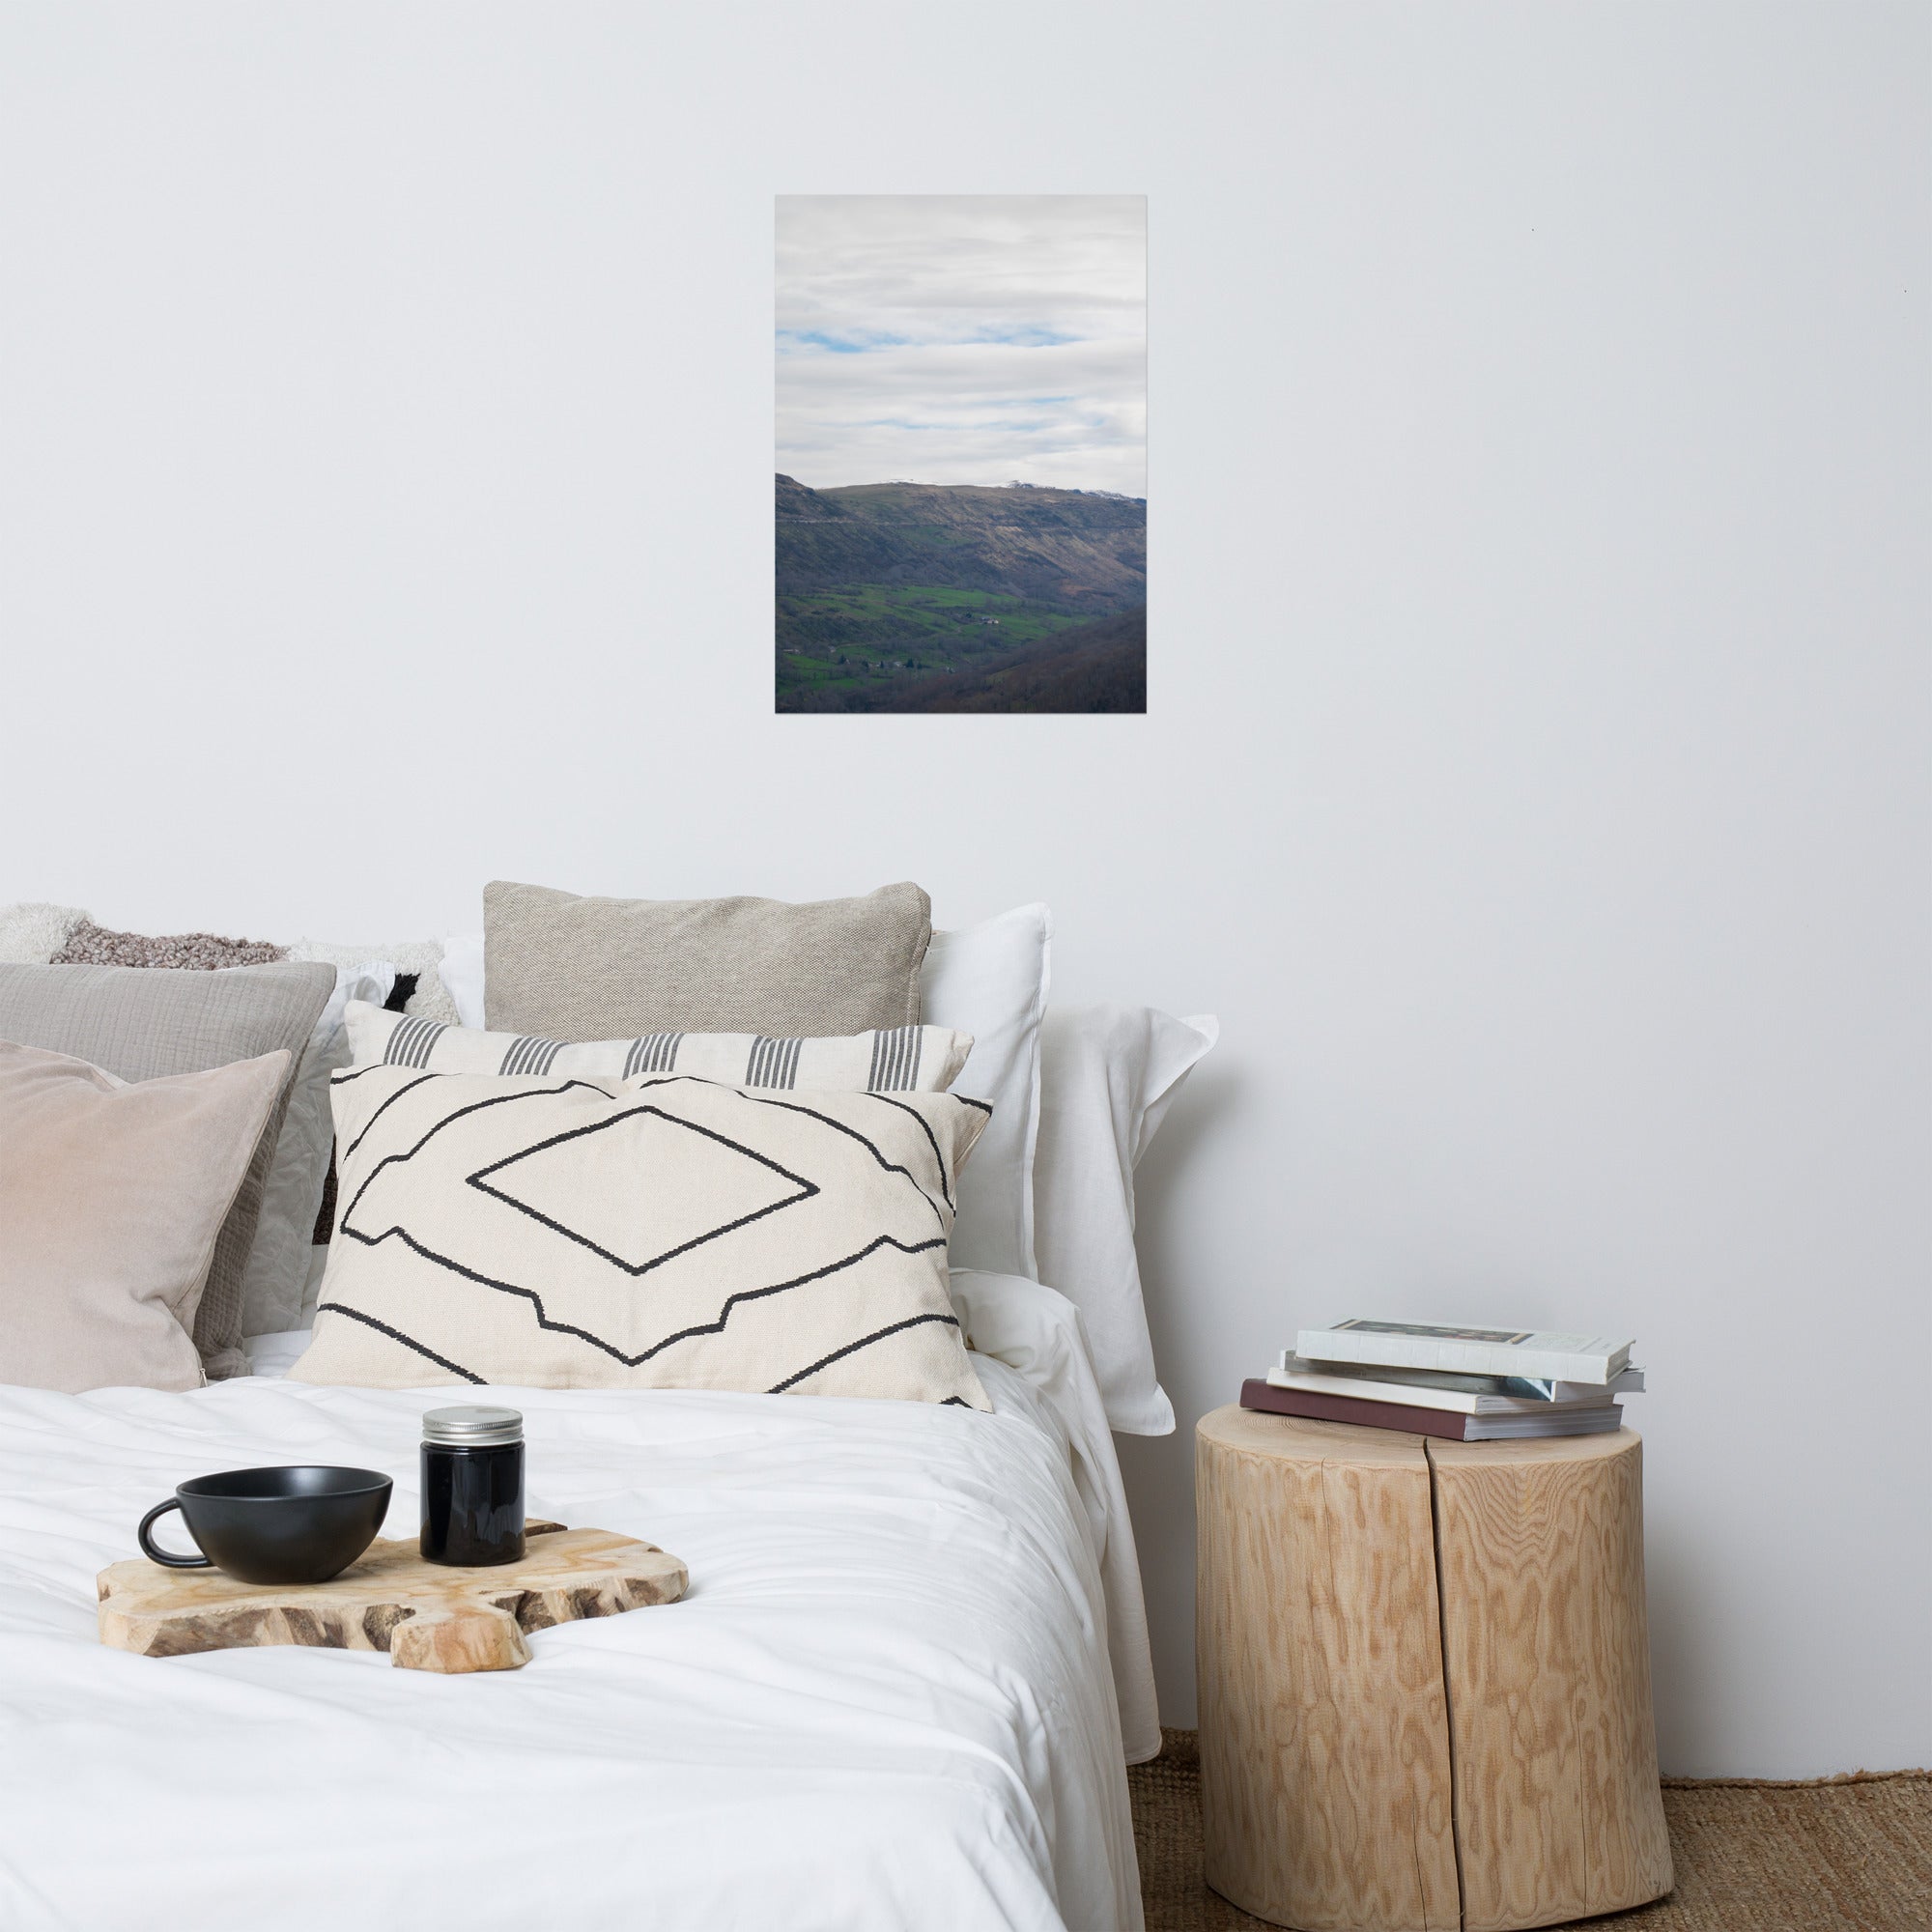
point(472, 1486)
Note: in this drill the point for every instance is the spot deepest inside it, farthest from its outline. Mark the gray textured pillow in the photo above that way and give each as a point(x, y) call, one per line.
point(141, 1025)
point(573, 969)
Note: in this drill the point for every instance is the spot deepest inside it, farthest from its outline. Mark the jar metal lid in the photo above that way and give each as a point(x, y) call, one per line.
point(473, 1428)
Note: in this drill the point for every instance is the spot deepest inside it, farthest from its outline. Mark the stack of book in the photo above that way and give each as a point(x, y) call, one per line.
point(1469, 1384)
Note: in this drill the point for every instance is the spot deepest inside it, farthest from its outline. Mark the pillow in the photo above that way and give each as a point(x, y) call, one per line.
point(112, 1195)
point(657, 1232)
point(1108, 1076)
point(51, 935)
point(139, 1025)
point(908, 1059)
point(279, 1258)
point(460, 971)
point(91, 945)
point(569, 968)
point(421, 959)
point(292, 1190)
point(31, 934)
point(990, 981)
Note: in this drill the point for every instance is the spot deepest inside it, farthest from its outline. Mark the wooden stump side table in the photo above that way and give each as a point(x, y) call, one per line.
point(1425, 1677)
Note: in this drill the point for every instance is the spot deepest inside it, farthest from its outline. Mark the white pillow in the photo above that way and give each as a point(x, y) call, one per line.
point(462, 974)
point(277, 1266)
point(1109, 1076)
point(991, 981)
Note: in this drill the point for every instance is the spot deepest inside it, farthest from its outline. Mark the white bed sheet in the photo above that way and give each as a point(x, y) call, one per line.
point(886, 1701)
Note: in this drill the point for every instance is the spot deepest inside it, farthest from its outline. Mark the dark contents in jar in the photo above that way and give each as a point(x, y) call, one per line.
point(472, 1487)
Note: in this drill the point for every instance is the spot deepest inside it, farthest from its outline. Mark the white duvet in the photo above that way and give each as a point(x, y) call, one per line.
point(887, 1700)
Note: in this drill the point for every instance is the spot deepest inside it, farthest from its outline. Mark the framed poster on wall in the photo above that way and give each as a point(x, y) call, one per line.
point(961, 441)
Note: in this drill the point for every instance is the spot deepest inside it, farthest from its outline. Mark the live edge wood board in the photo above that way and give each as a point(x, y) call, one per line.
point(426, 1615)
point(1425, 1678)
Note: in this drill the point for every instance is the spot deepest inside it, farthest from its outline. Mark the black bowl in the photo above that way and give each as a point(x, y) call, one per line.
point(301, 1524)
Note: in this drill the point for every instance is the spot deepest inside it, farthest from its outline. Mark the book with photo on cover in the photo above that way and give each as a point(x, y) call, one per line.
point(1467, 1351)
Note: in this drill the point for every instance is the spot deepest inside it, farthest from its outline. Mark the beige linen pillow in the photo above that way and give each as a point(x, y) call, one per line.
point(140, 1025)
point(655, 1232)
point(570, 968)
point(112, 1195)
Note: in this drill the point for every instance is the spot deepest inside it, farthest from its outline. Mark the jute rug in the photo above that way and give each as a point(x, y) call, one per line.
point(1850, 1855)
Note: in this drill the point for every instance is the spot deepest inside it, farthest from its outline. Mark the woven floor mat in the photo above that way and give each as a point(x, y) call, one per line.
point(1846, 1855)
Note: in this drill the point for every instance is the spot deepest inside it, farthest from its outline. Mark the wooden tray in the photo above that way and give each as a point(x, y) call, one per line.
point(426, 1615)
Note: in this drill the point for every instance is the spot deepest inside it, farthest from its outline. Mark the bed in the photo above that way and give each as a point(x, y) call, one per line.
point(912, 1664)
point(901, 1691)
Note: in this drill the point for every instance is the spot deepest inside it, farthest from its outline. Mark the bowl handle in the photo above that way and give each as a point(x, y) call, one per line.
point(153, 1551)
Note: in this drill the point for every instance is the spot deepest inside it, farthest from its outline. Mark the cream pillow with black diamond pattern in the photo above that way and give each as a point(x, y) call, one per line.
point(661, 1232)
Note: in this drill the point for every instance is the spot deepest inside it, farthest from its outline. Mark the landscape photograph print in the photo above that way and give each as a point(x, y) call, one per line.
point(961, 443)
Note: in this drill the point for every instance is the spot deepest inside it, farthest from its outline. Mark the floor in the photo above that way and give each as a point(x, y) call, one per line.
point(1847, 1856)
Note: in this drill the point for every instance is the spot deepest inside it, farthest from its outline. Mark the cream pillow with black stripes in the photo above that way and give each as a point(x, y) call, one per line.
point(661, 1232)
point(896, 1059)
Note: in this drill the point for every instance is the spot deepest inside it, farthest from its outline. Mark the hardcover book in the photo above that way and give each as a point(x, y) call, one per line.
point(1467, 1351)
point(1460, 1394)
point(1584, 1419)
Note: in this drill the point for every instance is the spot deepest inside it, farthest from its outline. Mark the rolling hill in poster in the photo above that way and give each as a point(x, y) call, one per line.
point(917, 597)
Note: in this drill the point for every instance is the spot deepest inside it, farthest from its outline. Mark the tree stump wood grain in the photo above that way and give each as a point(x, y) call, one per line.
point(426, 1615)
point(1325, 1792)
point(1425, 1678)
point(1546, 1650)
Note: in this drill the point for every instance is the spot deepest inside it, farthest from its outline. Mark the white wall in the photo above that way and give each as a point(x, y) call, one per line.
point(1536, 778)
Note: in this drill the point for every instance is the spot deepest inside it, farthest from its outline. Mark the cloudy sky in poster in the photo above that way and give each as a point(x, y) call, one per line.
point(963, 340)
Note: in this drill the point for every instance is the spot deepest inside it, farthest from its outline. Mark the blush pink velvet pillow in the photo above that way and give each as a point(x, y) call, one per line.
point(111, 1195)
